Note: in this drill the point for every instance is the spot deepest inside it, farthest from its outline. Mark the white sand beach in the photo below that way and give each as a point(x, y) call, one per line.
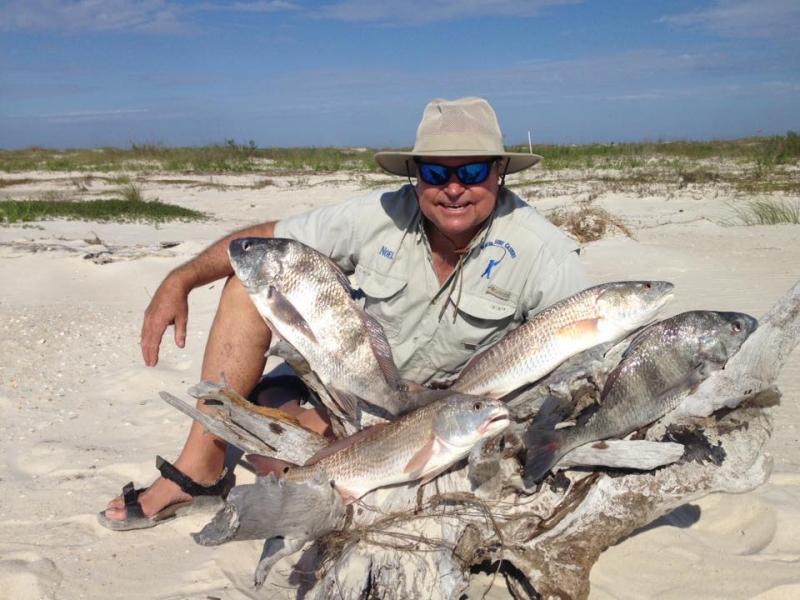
point(80, 414)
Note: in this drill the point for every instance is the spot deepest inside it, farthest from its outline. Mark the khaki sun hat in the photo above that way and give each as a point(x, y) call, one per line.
point(464, 127)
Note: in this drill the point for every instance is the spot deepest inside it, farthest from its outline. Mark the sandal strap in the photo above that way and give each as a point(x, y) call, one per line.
point(189, 485)
point(130, 495)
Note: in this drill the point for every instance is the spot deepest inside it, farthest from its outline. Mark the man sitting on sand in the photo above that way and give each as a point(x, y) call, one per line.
point(447, 265)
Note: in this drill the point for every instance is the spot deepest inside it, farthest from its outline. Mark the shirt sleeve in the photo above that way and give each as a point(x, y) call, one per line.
point(331, 230)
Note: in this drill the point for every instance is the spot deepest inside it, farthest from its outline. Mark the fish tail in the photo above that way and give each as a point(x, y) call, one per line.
point(544, 450)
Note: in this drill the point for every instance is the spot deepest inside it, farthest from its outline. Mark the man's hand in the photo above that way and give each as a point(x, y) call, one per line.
point(169, 306)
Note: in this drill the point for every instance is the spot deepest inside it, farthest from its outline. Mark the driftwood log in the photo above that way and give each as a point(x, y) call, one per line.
point(426, 541)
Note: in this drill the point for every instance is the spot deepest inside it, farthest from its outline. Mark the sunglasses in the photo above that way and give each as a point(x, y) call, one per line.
point(469, 174)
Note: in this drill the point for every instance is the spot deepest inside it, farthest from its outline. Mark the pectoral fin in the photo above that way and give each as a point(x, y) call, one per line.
point(579, 329)
point(416, 466)
point(287, 313)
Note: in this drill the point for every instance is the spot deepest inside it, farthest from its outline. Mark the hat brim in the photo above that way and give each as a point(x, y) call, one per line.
point(402, 163)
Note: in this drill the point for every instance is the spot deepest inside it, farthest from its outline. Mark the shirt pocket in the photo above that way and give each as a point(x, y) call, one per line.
point(384, 298)
point(480, 323)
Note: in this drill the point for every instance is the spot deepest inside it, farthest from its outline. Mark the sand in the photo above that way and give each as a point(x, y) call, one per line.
point(81, 416)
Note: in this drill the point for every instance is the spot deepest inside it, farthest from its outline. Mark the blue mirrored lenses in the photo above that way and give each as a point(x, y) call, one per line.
point(471, 174)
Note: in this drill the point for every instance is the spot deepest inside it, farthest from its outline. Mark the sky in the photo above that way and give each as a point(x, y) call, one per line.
point(91, 73)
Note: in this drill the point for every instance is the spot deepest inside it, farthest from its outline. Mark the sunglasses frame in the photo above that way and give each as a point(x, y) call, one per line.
point(455, 171)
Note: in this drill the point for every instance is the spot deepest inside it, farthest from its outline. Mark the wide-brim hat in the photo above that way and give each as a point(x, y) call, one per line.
point(464, 127)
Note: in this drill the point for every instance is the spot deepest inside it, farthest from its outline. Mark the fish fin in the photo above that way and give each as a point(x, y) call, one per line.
point(348, 496)
point(264, 465)
point(416, 465)
point(433, 474)
point(686, 386)
point(340, 275)
point(579, 329)
point(382, 350)
point(638, 339)
point(611, 381)
point(544, 450)
point(282, 307)
point(473, 364)
point(346, 401)
point(412, 386)
point(282, 349)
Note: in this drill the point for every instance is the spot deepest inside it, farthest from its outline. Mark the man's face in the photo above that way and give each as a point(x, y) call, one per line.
point(455, 209)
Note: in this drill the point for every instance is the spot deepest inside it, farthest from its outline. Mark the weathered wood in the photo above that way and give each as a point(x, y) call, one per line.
point(623, 454)
point(412, 541)
point(251, 428)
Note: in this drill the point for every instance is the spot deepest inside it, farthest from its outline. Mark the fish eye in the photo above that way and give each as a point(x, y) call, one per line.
point(737, 326)
point(478, 406)
point(285, 470)
point(246, 245)
point(648, 286)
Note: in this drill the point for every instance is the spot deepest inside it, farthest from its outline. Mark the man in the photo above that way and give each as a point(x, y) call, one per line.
point(447, 266)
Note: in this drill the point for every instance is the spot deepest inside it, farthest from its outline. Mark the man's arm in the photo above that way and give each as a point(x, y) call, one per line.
point(170, 305)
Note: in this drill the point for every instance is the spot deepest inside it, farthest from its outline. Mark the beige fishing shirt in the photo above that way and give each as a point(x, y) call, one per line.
point(518, 265)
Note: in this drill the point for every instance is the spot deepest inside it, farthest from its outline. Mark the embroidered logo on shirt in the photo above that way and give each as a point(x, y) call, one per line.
point(386, 253)
point(496, 251)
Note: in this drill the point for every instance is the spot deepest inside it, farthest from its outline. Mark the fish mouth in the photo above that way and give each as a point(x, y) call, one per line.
point(495, 423)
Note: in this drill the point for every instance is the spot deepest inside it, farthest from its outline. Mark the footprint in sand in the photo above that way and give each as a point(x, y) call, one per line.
point(29, 575)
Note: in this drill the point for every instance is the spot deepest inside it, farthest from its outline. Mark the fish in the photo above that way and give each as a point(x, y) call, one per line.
point(599, 314)
point(662, 365)
point(419, 445)
point(308, 301)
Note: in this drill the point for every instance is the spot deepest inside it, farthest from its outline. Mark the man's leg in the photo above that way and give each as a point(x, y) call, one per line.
point(238, 339)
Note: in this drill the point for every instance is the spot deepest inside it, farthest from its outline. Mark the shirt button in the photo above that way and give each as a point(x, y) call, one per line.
point(416, 339)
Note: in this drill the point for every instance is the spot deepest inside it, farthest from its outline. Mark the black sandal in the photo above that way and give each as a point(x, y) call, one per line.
point(204, 497)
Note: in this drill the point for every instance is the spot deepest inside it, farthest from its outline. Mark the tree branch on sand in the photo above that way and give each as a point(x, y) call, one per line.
point(415, 540)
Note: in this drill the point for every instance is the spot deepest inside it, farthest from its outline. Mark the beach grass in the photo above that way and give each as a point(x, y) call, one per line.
point(114, 209)
point(762, 153)
point(768, 211)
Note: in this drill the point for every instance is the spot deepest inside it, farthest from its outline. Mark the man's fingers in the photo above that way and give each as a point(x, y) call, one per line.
point(150, 347)
point(180, 331)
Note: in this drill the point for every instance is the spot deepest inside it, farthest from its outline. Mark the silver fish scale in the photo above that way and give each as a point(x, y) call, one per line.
point(380, 458)
point(341, 355)
point(538, 346)
point(654, 378)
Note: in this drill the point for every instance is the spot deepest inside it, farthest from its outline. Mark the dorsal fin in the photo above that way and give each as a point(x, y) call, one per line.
point(382, 351)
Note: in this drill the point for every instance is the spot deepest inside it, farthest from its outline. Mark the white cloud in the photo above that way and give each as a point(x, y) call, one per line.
point(130, 16)
point(74, 16)
point(744, 18)
point(416, 12)
point(260, 6)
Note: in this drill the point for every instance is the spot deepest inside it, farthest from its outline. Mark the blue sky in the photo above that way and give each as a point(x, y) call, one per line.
point(88, 73)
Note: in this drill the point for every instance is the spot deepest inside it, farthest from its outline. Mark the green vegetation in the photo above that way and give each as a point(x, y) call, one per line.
point(769, 151)
point(153, 211)
point(768, 212)
point(763, 153)
point(229, 157)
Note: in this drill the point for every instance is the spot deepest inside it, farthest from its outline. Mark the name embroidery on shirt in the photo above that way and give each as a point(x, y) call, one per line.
point(386, 253)
point(496, 251)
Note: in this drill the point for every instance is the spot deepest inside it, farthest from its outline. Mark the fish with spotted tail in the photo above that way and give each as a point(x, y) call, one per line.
point(599, 314)
point(662, 365)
